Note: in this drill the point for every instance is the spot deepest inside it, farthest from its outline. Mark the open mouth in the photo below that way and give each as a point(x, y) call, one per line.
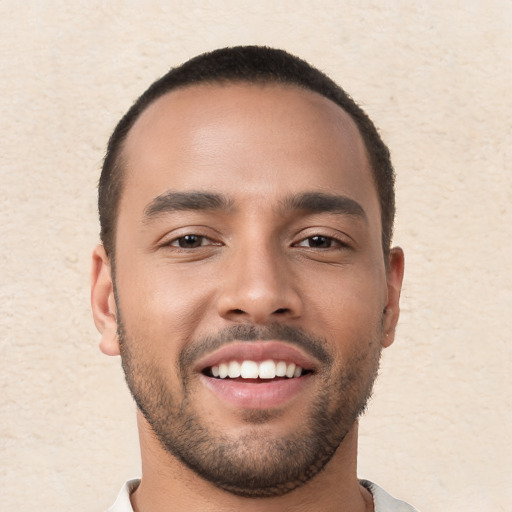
point(257, 375)
point(249, 370)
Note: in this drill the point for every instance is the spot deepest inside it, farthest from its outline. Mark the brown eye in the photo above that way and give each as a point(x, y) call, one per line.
point(189, 241)
point(318, 242)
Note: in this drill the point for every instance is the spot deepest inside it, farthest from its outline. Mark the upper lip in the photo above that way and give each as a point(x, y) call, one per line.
point(258, 351)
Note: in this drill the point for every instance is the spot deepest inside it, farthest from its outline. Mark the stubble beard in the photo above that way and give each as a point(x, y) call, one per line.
point(254, 464)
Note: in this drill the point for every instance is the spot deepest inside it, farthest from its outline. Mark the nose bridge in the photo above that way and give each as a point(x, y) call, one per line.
point(259, 284)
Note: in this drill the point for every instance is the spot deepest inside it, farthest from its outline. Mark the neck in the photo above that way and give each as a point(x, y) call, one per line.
point(167, 484)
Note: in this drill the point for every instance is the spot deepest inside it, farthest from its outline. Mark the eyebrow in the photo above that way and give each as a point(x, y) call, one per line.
point(181, 201)
point(321, 202)
point(311, 202)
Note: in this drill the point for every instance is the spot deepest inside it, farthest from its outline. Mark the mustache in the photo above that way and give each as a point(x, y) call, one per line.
point(294, 335)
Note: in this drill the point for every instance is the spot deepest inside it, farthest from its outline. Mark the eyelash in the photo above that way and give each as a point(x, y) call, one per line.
point(332, 242)
point(176, 242)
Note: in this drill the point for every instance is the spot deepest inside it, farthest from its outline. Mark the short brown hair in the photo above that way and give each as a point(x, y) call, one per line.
point(253, 64)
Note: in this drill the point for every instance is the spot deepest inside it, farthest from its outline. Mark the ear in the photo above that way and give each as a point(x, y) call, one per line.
point(395, 274)
point(103, 302)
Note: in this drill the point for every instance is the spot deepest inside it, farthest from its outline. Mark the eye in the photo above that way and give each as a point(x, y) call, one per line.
point(319, 242)
point(190, 241)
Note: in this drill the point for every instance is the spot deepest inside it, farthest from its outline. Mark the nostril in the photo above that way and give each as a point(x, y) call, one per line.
point(280, 311)
point(238, 311)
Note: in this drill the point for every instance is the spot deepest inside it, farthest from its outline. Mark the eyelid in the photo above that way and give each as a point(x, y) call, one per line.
point(174, 242)
point(335, 243)
point(341, 239)
point(170, 239)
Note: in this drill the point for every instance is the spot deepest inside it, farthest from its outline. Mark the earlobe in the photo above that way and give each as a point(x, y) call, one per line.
point(103, 302)
point(391, 313)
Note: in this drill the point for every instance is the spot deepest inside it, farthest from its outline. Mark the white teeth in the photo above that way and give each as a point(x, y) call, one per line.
point(268, 369)
point(281, 369)
point(234, 370)
point(249, 370)
point(290, 370)
point(223, 370)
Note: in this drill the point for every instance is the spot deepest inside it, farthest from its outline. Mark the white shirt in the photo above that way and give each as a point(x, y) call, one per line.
point(383, 502)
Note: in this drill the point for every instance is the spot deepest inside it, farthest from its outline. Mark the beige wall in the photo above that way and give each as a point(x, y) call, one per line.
point(436, 78)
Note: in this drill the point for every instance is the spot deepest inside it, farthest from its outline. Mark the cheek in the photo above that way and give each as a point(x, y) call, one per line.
point(349, 310)
point(162, 307)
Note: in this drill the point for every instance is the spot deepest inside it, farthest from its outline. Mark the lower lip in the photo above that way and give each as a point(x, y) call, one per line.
point(256, 395)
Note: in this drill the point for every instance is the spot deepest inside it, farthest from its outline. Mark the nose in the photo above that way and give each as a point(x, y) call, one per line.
point(259, 287)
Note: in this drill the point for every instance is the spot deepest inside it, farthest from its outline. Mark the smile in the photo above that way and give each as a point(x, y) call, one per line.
point(257, 375)
point(248, 369)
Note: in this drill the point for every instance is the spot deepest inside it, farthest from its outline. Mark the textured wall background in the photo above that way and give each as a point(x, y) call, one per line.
point(435, 76)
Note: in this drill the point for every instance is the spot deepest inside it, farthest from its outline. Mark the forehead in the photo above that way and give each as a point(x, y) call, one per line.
point(247, 140)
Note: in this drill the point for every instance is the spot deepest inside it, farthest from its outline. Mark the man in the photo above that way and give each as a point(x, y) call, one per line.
point(246, 279)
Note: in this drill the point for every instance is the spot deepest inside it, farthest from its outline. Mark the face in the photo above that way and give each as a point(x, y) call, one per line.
point(252, 296)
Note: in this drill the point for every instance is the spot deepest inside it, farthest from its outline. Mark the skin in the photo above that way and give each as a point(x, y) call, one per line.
point(258, 146)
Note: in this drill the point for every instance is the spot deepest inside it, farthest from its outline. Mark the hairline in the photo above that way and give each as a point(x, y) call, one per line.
point(120, 160)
